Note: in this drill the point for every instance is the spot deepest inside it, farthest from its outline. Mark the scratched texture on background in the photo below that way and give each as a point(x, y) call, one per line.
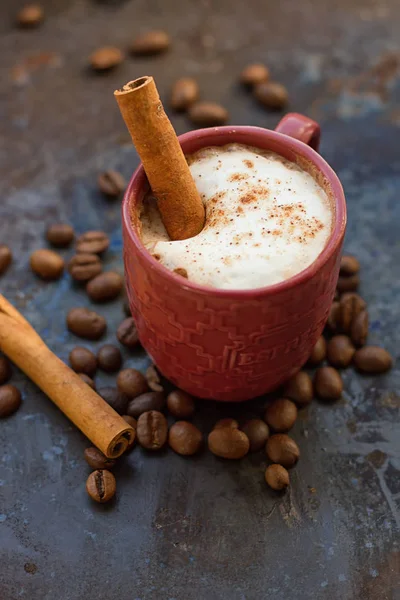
point(201, 528)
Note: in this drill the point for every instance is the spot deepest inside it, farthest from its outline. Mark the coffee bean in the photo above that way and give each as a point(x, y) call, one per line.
point(184, 438)
point(180, 404)
point(60, 235)
point(153, 379)
point(283, 450)
point(350, 306)
point(208, 114)
point(31, 15)
point(86, 323)
point(92, 242)
point(373, 359)
point(127, 333)
point(359, 328)
point(106, 58)
point(5, 370)
point(333, 318)
point(132, 383)
point(258, 432)
point(348, 284)
point(133, 423)
point(281, 415)
point(349, 265)
point(318, 353)
point(272, 95)
point(98, 460)
point(230, 423)
point(184, 93)
point(340, 351)
point(152, 430)
point(109, 358)
point(105, 287)
point(254, 74)
point(299, 388)
point(150, 43)
point(328, 384)
point(5, 258)
point(228, 442)
point(10, 400)
point(48, 265)
point(83, 361)
point(87, 380)
point(277, 477)
point(111, 183)
point(114, 398)
point(101, 486)
point(83, 267)
point(145, 403)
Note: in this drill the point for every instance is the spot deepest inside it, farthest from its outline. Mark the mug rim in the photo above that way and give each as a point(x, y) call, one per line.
point(209, 135)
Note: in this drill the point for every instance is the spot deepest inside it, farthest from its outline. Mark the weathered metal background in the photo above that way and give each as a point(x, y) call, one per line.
point(200, 528)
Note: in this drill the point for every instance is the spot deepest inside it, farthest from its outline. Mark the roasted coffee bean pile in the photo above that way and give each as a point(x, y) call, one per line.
point(84, 267)
point(142, 399)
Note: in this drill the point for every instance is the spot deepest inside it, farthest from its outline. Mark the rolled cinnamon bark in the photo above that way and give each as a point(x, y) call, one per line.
point(179, 202)
point(94, 417)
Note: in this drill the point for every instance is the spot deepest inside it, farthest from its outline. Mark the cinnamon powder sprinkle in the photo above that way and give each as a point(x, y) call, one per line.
point(247, 198)
point(238, 176)
point(181, 272)
point(249, 163)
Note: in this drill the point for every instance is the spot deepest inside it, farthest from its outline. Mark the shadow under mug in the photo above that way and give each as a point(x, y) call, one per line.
point(233, 345)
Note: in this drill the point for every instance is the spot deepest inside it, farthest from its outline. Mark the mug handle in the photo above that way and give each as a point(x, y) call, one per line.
point(301, 128)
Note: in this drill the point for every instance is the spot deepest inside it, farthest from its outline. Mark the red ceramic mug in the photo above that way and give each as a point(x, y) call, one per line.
point(232, 345)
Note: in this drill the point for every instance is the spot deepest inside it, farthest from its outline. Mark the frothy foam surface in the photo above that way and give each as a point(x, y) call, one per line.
point(266, 220)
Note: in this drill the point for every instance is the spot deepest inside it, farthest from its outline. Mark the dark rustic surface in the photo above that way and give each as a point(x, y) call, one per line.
point(200, 528)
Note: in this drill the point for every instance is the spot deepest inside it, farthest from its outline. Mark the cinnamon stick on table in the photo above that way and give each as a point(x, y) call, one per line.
point(179, 202)
point(94, 417)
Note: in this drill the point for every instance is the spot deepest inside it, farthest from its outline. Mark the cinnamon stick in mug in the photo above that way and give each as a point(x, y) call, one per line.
point(94, 417)
point(179, 202)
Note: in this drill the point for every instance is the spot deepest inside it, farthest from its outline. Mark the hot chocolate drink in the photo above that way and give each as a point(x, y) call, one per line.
point(267, 219)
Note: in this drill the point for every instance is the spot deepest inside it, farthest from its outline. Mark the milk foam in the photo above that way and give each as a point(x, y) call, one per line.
point(266, 220)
